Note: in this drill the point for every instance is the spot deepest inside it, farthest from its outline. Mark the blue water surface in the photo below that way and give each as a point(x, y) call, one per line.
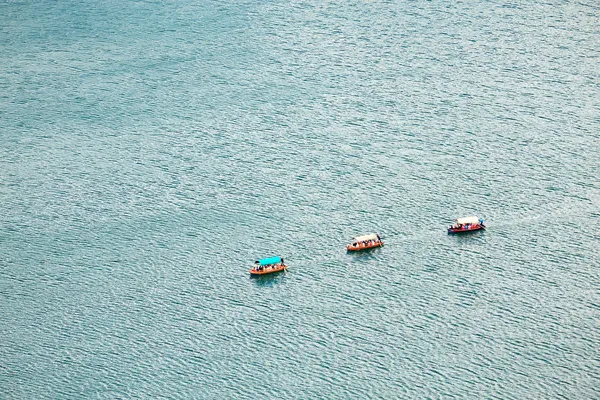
point(152, 151)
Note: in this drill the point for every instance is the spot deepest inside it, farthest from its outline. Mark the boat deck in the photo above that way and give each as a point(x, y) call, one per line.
point(268, 270)
point(469, 229)
point(361, 246)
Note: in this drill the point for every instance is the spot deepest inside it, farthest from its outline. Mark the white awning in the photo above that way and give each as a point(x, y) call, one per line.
point(364, 238)
point(467, 220)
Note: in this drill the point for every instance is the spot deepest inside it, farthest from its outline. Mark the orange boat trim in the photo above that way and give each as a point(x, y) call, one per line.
point(268, 270)
point(363, 246)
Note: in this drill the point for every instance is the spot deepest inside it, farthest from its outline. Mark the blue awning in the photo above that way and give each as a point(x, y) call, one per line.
point(269, 261)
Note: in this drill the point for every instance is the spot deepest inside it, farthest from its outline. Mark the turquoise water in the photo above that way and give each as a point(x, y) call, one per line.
point(151, 151)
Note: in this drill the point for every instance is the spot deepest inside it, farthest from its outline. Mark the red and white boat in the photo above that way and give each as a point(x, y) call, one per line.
point(365, 242)
point(467, 224)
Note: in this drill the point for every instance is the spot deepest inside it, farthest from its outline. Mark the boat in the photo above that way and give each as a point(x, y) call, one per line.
point(365, 242)
point(268, 266)
point(467, 224)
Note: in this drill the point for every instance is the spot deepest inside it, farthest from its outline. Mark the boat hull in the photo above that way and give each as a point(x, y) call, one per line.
point(363, 247)
point(463, 230)
point(266, 271)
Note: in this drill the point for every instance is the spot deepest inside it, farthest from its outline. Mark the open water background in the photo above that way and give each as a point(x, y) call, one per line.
point(151, 151)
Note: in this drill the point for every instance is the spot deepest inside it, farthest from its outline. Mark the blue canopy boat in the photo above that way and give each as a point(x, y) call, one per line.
point(268, 266)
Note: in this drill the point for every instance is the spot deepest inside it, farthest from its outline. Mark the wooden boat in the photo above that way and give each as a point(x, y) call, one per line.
point(268, 266)
point(365, 242)
point(467, 224)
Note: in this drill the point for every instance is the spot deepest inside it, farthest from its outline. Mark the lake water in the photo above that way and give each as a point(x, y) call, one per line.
point(151, 151)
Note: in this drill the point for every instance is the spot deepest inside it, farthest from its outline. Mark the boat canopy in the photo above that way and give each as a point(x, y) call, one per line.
point(467, 220)
point(365, 238)
point(269, 261)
